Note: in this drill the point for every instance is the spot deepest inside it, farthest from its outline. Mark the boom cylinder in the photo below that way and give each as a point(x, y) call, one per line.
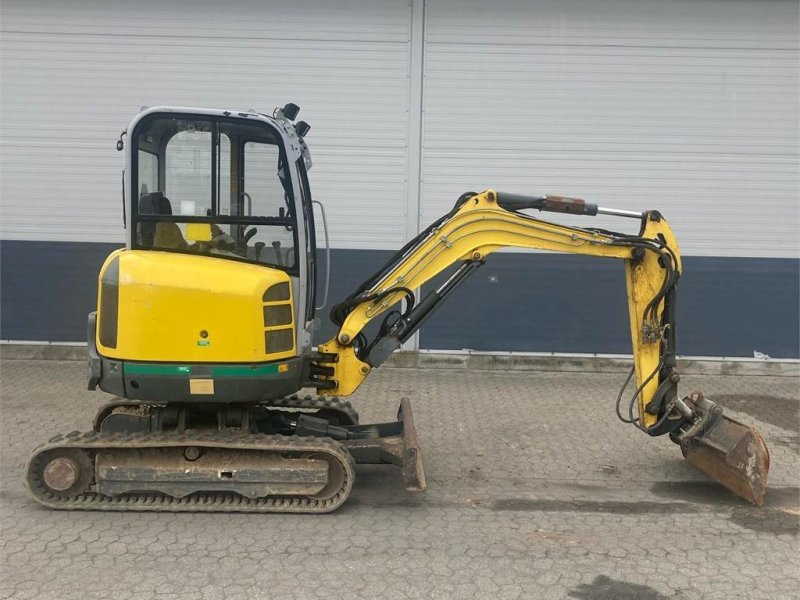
point(561, 204)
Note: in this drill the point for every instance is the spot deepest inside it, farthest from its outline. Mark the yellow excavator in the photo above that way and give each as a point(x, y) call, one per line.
point(204, 324)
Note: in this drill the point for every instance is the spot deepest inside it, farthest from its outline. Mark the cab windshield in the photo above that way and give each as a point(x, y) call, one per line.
point(213, 186)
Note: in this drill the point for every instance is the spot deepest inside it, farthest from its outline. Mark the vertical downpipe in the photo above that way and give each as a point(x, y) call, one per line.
point(416, 96)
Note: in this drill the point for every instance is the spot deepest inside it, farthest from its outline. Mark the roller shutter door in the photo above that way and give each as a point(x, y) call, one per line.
point(686, 106)
point(76, 72)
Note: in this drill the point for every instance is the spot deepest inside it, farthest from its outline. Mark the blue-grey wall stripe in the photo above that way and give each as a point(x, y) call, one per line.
point(516, 302)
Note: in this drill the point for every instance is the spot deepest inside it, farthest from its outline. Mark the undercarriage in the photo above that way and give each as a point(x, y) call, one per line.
point(291, 455)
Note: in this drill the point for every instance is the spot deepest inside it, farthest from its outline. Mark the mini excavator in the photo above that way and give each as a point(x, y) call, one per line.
point(204, 323)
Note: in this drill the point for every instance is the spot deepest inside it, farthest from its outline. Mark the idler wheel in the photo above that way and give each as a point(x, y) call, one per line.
point(65, 473)
point(60, 474)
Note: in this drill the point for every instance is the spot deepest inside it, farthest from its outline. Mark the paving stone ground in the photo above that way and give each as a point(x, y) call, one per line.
point(535, 491)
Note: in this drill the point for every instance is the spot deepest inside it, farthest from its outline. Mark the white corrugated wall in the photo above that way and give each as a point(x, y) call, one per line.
point(75, 72)
point(688, 106)
point(685, 105)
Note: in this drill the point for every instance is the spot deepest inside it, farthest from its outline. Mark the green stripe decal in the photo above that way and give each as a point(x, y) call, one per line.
point(158, 369)
point(238, 371)
point(216, 371)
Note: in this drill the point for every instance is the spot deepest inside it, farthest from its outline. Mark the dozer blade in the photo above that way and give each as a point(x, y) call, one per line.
point(730, 452)
point(392, 443)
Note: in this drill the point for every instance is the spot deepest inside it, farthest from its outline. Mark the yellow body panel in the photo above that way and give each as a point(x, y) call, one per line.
point(197, 309)
point(198, 232)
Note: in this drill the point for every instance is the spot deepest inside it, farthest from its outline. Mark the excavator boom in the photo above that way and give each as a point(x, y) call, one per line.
point(728, 451)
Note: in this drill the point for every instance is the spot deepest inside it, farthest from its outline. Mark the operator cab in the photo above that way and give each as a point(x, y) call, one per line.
point(227, 185)
point(216, 186)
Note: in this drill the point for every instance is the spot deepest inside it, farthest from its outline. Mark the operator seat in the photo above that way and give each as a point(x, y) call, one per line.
point(159, 235)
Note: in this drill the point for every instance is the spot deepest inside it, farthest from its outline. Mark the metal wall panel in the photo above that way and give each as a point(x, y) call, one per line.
point(688, 106)
point(496, 310)
point(75, 72)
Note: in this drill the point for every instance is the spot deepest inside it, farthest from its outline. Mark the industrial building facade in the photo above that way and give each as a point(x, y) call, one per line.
point(690, 107)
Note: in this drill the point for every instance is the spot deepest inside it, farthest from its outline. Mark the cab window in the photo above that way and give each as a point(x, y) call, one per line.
point(217, 187)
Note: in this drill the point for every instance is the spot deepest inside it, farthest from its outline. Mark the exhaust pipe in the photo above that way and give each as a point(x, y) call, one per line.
point(730, 452)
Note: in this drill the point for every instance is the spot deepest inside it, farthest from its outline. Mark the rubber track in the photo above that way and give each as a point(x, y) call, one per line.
point(200, 502)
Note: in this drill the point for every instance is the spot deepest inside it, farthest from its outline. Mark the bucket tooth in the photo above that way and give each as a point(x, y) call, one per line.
point(730, 452)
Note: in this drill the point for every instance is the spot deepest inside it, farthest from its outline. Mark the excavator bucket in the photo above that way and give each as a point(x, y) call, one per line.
point(730, 452)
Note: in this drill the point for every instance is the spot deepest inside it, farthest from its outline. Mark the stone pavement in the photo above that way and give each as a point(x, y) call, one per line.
point(535, 491)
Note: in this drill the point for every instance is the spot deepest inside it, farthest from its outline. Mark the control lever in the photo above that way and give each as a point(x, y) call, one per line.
point(249, 235)
point(259, 246)
point(241, 247)
point(277, 246)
